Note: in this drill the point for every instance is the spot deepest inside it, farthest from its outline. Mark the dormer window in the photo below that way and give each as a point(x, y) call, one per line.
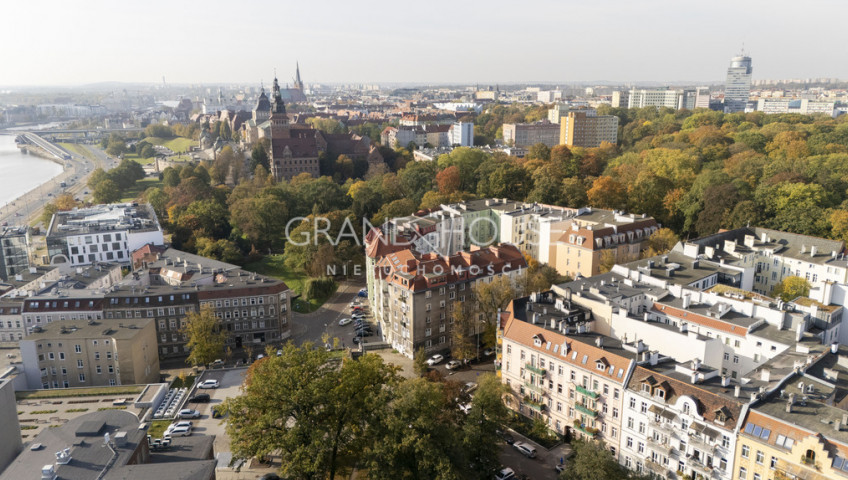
point(660, 393)
point(646, 388)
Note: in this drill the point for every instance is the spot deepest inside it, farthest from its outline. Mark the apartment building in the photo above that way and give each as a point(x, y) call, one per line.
point(72, 353)
point(800, 106)
point(413, 295)
point(774, 255)
point(580, 248)
point(11, 323)
point(560, 110)
point(558, 370)
point(680, 419)
point(582, 129)
point(461, 134)
point(12, 444)
point(253, 309)
point(796, 425)
point(14, 251)
point(529, 134)
point(102, 233)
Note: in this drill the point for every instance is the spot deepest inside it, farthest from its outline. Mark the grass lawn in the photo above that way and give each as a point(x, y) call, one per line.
point(136, 158)
point(138, 189)
point(273, 266)
point(79, 392)
point(78, 149)
point(177, 144)
point(157, 428)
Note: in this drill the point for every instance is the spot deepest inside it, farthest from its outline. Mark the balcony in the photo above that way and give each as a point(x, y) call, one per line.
point(699, 466)
point(536, 370)
point(589, 393)
point(534, 388)
point(655, 467)
point(586, 410)
point(702, 442)
point(589, 432)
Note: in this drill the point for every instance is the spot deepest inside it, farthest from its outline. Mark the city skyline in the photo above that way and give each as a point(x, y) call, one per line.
point(607, 41)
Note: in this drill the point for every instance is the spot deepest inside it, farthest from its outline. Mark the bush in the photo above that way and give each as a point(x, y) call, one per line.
point(40, 412)
point(320, 287)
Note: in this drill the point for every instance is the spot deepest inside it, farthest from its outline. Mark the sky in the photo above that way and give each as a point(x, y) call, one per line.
point(58, 42)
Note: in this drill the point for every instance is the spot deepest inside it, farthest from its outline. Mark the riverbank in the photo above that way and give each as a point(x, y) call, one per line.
point(30, 149)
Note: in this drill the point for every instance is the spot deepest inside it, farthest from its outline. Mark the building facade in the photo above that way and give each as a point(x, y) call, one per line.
point(414, 295)
point(14, 251)
point(102, 233)
point(529, 134)
point(581, 129)
point(737, 88)
point(68, 354)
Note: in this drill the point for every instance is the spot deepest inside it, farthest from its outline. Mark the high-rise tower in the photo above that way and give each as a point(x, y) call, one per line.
point(737, 89)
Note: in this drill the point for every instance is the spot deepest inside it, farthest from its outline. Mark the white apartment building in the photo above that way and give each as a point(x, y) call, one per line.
point(800, 106)
point(461, 134)
point(102, 233)
point(679, 421)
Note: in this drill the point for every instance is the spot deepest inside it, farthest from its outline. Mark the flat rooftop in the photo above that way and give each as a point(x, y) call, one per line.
point(127, 329)
point(119, 217)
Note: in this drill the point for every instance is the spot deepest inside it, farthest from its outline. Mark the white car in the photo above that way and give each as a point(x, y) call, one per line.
point(469, 387)
point(182, 424)
point(525, 449)
point(179, 432)
point(465, 408)
point(505, 474)
point(188, 413)
point(435, 360)
point(345, 321)
point(454, 364)
point(208, 384)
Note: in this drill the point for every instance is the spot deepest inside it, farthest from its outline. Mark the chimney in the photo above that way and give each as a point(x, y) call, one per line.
point(737, 391)
point(763, 238)
point(725, 381)
point(645, 316)
point(655, 357)
point(765, 374)
point(813, 251)
point(640, 346)
point(687, 300)
point(790, 402)
point(694, 377)
point(837, 425)
point(834, 348)
point(696, 364)
point(599, 342)
point(754, 396)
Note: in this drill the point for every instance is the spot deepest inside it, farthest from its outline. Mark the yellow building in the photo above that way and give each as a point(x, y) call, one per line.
point(800, 432)
point(584, 129)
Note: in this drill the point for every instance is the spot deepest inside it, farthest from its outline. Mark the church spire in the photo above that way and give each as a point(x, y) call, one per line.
point(298, 84)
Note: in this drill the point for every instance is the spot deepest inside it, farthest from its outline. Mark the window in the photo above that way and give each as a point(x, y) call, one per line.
point(77, 349)
point(81, 377)
point(760, 457)
point(746, 450)
point(773, 463)
point(743, 473)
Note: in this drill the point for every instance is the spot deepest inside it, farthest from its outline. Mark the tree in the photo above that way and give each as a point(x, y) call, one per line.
point(310, 409)
point(107, 191)
point(448, 180)
point(205, 337)
point(591, 462)
point(464, 344)
point(606, 192)
point(418, 438)
point(479, 434)
point(791, 288)
point(539, 151)
point(419, 362)
point(492, 297)
point(661, 242)
point(259, 154)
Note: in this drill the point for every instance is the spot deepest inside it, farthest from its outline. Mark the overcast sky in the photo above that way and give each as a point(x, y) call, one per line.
point(60, 42)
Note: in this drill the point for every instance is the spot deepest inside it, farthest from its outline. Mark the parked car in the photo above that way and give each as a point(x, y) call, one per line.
point(181, 424)
point(488, 352)
point(199, 398)
point(505, 474)
point(525, 449)
point(208, 384)
point(469, 387)
point(218, 363)
point(506, 436)
point(345, 321)
point(363, 293)
point(465, 408)
point(364, 333)
point(435, 360)
point(179, 432)
point(454, 364)
point(559, 467)
point(188, 413)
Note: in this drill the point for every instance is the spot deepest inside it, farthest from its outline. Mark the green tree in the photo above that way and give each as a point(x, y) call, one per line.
point(791, 288)
point(107, 191)
point(419, 362)
point(418, 436)
point(259, 154)
point(539, 151)
point(479, 434)
point(310, 409)
point(463, 338)
point(661, 242)
point(591, 462)
point(205, 337)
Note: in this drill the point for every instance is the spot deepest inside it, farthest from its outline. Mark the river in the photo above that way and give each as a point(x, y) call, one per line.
point(20, 173)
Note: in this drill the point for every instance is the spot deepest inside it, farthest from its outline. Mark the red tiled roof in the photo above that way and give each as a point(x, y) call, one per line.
point(688, 316)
